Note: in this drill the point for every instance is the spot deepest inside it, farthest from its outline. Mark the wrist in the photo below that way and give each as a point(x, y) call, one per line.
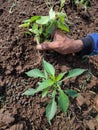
point(77, 45)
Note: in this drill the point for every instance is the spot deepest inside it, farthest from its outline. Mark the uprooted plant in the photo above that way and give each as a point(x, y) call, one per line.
point(43, 26)
point(51, 86)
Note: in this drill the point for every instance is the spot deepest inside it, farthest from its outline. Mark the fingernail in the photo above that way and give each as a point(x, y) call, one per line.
point(39, 47)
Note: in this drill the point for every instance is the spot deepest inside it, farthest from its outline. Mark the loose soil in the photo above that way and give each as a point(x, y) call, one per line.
point(18, 54)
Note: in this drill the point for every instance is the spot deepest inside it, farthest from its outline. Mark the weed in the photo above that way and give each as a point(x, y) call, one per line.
point(82, 3)
point(12, 6)
point(43, 26)
point(51, 86)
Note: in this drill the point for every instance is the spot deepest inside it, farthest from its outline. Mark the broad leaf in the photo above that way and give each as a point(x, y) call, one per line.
point(24, 25)
point(34, 18)
point(50, 28)
point(51, 110)
point(35, 73)
point(34, 28)
point(45, 84)
point(62, 26)
point(45, 92)
point(53, 93)
point(43, 20)
point(52, 14)
point(71, 93)
point(59, 83)
point(40, 30)
point(61, 16)
point(60, 76)
point(29, 92)
point(49, 68)
point(63, 101)
point(75, 72)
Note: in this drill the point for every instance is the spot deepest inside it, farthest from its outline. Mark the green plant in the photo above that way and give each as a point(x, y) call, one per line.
point(51, 86)
point(43, 26)
point(82, 3)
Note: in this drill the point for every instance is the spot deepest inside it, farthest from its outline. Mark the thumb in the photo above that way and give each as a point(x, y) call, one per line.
point(46, 46)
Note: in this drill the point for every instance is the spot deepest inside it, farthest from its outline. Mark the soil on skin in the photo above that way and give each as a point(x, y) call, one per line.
point(18, 54)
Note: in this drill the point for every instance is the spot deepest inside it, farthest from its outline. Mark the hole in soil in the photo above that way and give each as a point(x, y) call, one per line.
point(84, 107)
point(1, 11)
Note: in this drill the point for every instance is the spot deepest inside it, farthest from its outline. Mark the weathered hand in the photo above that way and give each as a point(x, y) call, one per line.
point(62, 44)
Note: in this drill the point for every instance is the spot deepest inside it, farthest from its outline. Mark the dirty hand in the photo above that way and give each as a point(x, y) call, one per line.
point(62, 44)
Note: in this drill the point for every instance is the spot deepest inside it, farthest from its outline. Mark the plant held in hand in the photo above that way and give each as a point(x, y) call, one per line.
point(42, 27)
point(51, 86)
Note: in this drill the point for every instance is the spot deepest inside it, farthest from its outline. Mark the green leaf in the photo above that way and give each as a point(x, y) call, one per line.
point(29, 92)
point(24, 25)
point(52, 14)
point(62, 26)
point(45, 73)
point(61, 16)
point(43, 20)
point(63, 101)
point(49, 68)
point(75, 72)
point(45, 84)
point(60, 76)
point(35, 73)
point(71, 93)
point(26, 21)
point(34, 29)
point(45, 92)
point(35, 26)
point(41, 30)
point(53, 93)
point(50, 28)
point(34, 18)
point(59, 83)
point(51, 110)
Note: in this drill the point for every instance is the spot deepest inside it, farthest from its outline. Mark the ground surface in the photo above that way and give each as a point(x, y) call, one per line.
point(18, 54)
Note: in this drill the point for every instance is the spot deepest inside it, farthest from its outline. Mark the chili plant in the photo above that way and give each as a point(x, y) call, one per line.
point(43, 26)
point(51, 86)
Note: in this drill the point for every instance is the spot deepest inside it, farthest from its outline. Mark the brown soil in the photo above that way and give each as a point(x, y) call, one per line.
point(18, 54)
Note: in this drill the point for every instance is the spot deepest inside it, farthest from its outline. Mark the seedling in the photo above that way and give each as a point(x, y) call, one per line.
point(43, 26)
point(82, 3)
point(51, 86)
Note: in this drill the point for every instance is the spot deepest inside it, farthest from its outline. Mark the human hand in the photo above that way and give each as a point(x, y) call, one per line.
point(62, 44)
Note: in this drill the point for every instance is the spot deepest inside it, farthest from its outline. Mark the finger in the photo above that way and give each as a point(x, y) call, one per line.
point(59, 35)
point(47, 46)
